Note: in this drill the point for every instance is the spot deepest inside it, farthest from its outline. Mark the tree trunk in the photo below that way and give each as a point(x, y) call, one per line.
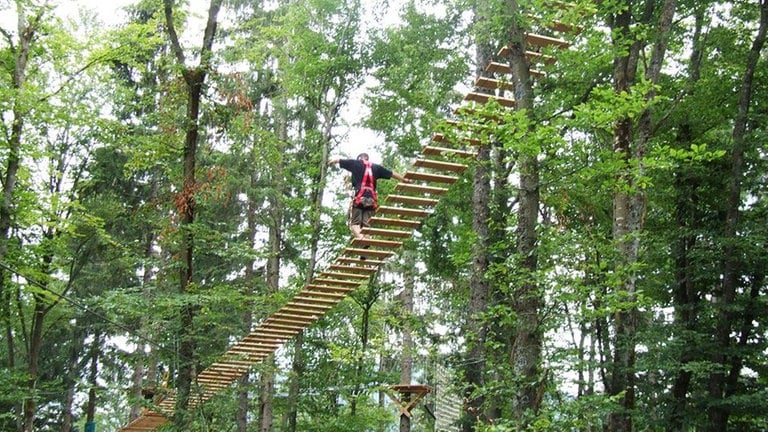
point(406, 368)
point(719, 413)
point(526, 299)
point(194, 79)
point(479, 287)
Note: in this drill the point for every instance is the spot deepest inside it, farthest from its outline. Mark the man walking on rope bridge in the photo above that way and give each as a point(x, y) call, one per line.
point(365, 201)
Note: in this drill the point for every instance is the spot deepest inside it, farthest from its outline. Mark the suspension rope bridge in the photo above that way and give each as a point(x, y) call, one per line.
point(438, 167)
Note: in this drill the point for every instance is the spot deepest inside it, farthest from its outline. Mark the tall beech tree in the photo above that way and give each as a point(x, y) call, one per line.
point(194, 80)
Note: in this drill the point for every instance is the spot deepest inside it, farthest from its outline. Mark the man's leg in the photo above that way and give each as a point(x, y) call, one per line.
point(355, 222)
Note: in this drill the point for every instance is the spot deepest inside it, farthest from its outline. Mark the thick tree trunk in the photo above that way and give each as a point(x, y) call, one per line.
point(526, 299)
point(479, 287)
point(194, 79)
point(719, 413)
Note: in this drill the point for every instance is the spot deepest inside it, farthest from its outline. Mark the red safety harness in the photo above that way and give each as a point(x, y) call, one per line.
point(367, 185)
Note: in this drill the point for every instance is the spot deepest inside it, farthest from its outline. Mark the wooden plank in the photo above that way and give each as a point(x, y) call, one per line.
point(335, 282)
point(358, 261)
point(362, 243)
point(438, 137)
point(443, 151)
point(501, 68)
point(412, 200)
point(346, 268)
point(327, 288)
point(485, 98)
point(545, 41)
point(373, 253)
point(333, 296)
point(321, 300)
point(440, 165)
point(385, 233)
point(420, 189)
point(404, 223)
point(532, 56)
point(344, 275)
point(403, 211)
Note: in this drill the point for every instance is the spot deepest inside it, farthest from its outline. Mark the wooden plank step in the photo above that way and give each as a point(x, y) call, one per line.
point(441, 138)
point(361, 243)
point(448, 152)
point(262, 337)
point(304, 322)
point(402, 211)
point(404, 223)
point(492, 83)
point(329, 295)
point(368, 253)
point(436, 178)
point(319, 306)
point(385, 233)
point(344, 275)
point(326, 288)
point(532, 56)
point(305, 310)
point(440, 165)
point(276, 331)
point(358, 261)
point(545, 41)
point(271, 325)
point(484, 98)
point(335, 282)
point(420, 189)
point(230, 363)
point(362, 270)
point(310, 317)
point(412, 200)
point(321, 300)
point(501, 68)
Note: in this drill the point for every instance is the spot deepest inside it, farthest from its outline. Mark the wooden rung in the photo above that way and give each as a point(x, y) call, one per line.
point(412, 200)
point(545, 41)
point(436, 178)
point(439, 165)
point(326, 288)
point(335, 282)
point(230, 363)
point(385, 233)
point(402, 211)
point(284, 326)
point(368, 253)
point(302, 319)
point(305, 310)
point(287, 321)
point(532, 56)
point(442, 151)
point(404, 223)
point(310, 317)
point(501, 68)
point(358, 261)
point(420, 189)
point(345, 268)
point(308, 305)
point(318, 300)
point(263, 337)
point(491, 83)
point(219, 374)
point(484, 98)
point(438, 137)
point(263, 330)
point(376, 243)
point(344, 275)
point(336, 296)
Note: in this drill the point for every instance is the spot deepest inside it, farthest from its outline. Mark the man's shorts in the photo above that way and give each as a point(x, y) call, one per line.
point(360, 216)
